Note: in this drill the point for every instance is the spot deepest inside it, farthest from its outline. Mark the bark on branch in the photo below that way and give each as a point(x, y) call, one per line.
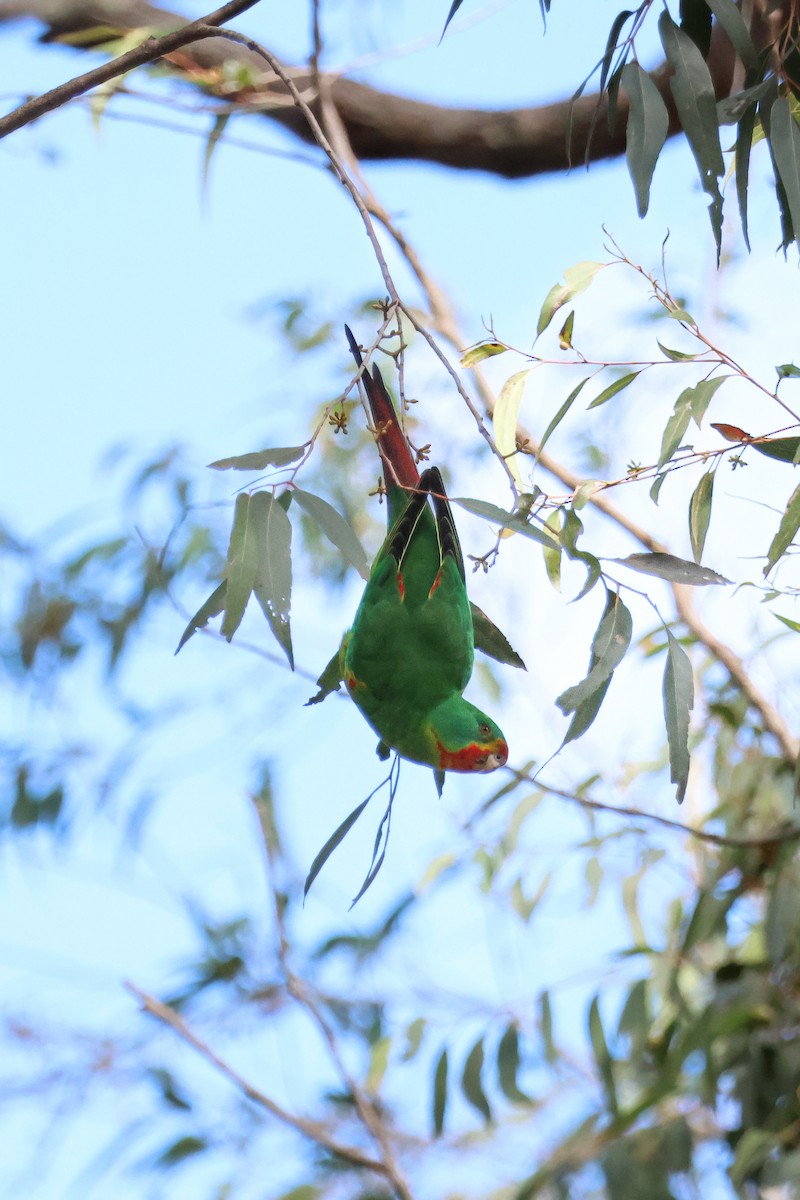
point(512, 143)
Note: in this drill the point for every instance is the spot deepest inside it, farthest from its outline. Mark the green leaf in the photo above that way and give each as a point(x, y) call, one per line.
point(471, 1084)
point(753, 1149)
point(732, 22)
point(788, 622)
point(439, 1094)
point(602, 1057)
point(273, 581)
point(701, 396)
point(744, 143)
point(333, 841)
point(788, 371)
point(565, 332)
point(577, 280)
point(678, 703)
point(217, 130)
point(586, 712)
point(784, 137)
point(508, 1066)
point(558, 418)
point(241, 570)
point(491, 641)
point(700, 513)
point(506, 520)
point(329, 680)
point(693, 91)
point(504, 418)
point(646, 132)
point(179, 1151)
point(790, 523)
point(335, 528)
point(671, 568)
point(612, 389)
point(212, 607)
point(259, 459)
point(552, 554)
point(546, 1028)
point(415, 1032)
point(609, 645)
point(676, 355)
point(634, 1021)
point(782, 449)
point(477, 354)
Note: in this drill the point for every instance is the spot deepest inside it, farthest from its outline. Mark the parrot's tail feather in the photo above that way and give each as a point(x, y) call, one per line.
point(400, 468)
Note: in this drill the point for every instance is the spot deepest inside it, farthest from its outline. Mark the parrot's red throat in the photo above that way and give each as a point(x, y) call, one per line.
point(474, 757)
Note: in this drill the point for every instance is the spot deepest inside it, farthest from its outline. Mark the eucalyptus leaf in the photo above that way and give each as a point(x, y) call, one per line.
point(577, 280)
point(333, 841)
point(671, 568)
point(504, 419)
point(241, 571)
point(471, 1082)
point(335, 528)
point(784, 138)
point(440, 1093)
point(506, 520)
point(477, 354)
point(611, 641)
point(646, 131)
point(612, 389)
point(790, 523)
point(508, 1066)
point(273, 582)
point(491, 641)
point(678, 692)
point(259, 459)
point(700, 513)
point(212, 607)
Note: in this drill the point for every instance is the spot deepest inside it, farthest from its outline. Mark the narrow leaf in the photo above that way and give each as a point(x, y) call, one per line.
point(732, 22)
point(335, 528)
point(782, 449)
point(241, 570)
point(333, 841)
point(609, 645)
point(471, 1084)
point(217, 130)
point(612, 389)
point(788, 622)
point(552, 554)
point(558, 418)
point(259, 459)
point(701, 396)
point(676, 427)
point(602, 1057)
point(454, 7)
point(491, 641)
point(273, 583)
point(212, 607)
point(646, 131)
point(788, 371)
point(329, 680)
point(700, 513)
point(611, 45)
point(784, 137)
point(678, 703)
point(506, 520)
point(790, 523)
point(508, 1066)
point(586, 712)
point(505, 416)
point(671, 568)
point(693, 91)
point(577, 280)
point(476, 354)
point(676, 355)
point(439, 1094)
point(744, 144)
point(546, 1028)
point(565, 332)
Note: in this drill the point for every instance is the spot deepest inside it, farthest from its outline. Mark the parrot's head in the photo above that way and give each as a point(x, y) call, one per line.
point(466, 739)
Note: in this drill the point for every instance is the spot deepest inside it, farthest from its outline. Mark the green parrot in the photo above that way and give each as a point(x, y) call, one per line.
point(408, 656)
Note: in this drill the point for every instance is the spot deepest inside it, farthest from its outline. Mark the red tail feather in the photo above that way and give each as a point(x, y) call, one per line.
point(399, 466)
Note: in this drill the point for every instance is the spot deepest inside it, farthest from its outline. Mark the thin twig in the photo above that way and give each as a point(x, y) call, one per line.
point(151, 48)
point(310, 1129)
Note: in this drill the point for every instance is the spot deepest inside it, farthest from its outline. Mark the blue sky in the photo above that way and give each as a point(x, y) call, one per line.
point(128, 292)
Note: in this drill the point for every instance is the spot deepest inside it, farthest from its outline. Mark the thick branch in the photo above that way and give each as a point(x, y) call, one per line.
point(513, 143)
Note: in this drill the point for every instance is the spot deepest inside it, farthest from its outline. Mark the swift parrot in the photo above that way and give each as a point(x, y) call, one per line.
point(408, 656)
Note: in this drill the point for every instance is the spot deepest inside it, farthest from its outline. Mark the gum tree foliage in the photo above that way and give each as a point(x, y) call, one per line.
point(681, 1072)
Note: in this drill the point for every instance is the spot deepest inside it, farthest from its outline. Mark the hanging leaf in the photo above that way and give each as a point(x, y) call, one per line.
point(701, 395)
point(335, 528)
point(565, 332)
point(329, 680)
point(506, 520)
point(477, 354)
point(212, 608)
point(732, 21)
point(646, 131)
point(586, 712)
point(454, 7)
point(611, 45)
point(790, 523)
point(273, 581)
point(333, 841)
point(491, 641)
point(700, 513)
point(784, 138)
point(572, 530)
point(744, 143)
point(671, 568)
point(577, 280)
point(678, 703)
point(676, 355)
point(609, 645)
point(241, 571)
point(693, 91)
point(558, 418)
point(788, 371)
point(552, 554)
point(439, 1094)
point(612, 389)
point(217, 130)
point(602, 1057)
point(471, 1084)
point(504, 418)
point(508, 1066)
point(259, 459)
point(546, 1029)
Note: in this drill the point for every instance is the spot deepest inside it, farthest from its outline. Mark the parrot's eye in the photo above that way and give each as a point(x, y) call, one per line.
point(485, 730)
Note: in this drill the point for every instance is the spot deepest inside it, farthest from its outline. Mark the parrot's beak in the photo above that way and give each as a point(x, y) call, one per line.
point(497, 758)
